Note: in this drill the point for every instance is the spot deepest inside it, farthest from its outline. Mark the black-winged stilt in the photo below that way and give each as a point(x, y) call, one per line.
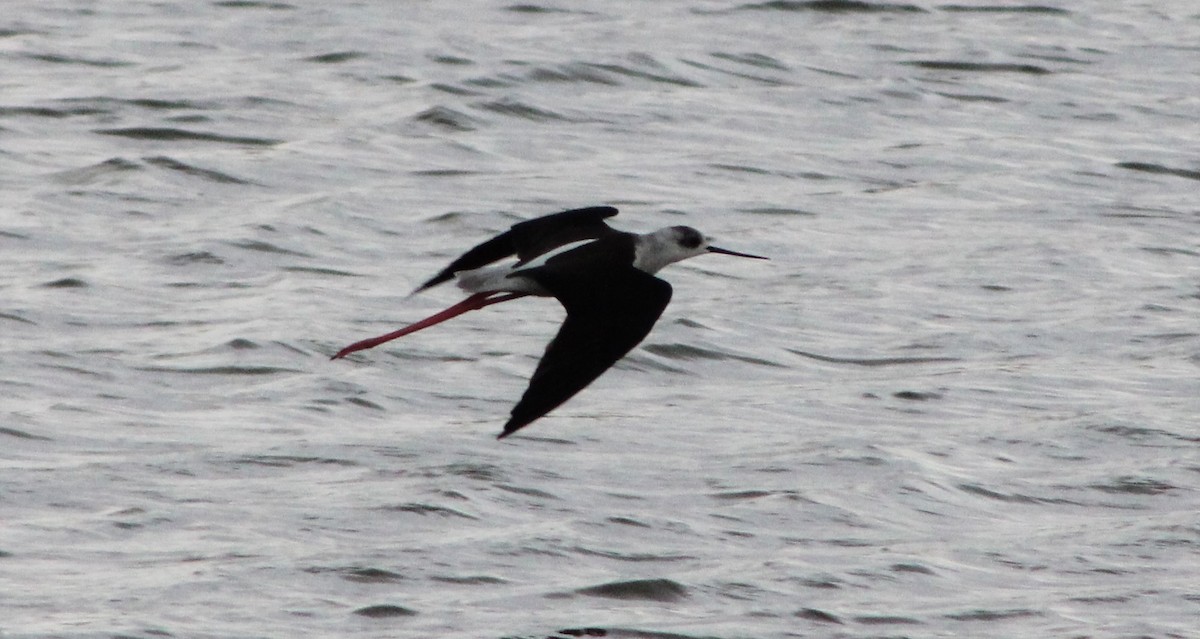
point(603, 277)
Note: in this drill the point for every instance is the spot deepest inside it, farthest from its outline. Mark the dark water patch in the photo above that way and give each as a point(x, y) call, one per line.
point(364, 403)
point(444, 173)
point(381, 611)
point(316, 270)
point(741, 168)
point(266, 247)
point(627, 521)
point(634, 557)
point(428, 509)
point(996, 288)
point(1168, 250)
point(446, 118)
point(876, 620)
point(573, 72)
point(912, 568)
point(770, 210)
point(522, 490)
point(482, 472)
point(87, 62)
point(289, 461)
point(993, 615)
point(648, 75)
point(172, 164)
point(580, 632)
point(688, 352)
point(452, 60)
point(454, 90)
point(96, 172)
point(1026, 8)
point(759, 60)
point(12, 33)
point(173, 134)
point(1141, 434)
point(970, 97)
point(12, 317)
point(336, 57)
point(20, 434)
point(663, 590)
point(48, 112)
point(470, 580)
point(1147, 167)
point(194, 257)
point(752, 494)
point(223, 370)
point(241, 344)
point(1134, 486)
point(398, 79)
point(978, 67)
point(883, 361)
point(704, 66)
point(513, 108)
point(916, 396)
point(835, 6)
point(533, 9)
point(253, 4)
point(812, 614)
point(371, 576)
point(976, 489)
point(165, 105)
point(66, 282)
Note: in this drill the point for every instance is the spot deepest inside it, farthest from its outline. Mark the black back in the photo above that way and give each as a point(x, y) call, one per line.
point(530, 239)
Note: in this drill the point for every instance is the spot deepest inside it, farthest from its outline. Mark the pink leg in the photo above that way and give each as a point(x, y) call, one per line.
point(472, 303)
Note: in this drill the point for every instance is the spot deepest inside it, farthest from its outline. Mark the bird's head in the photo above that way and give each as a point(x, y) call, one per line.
point(675, 243)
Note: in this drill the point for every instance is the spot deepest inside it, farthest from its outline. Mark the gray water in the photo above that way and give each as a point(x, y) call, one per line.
point(960, 401)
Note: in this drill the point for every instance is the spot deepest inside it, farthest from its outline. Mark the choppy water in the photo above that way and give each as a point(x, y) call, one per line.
point(961, 400)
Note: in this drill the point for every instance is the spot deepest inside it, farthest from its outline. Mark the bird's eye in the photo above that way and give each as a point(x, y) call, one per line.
point(690, 238)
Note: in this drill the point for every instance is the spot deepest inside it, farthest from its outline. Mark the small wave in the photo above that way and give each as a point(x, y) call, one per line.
point(835, 6)
point(172, 164)
point(315, 270)
point(979, 67)
point(1027, 8)
point(253, 4)
point(447, 118)
point(385, 610)
point(16, 318)
point(429, 509)
point(993, 615)
point(882, 361)
point(266, 247)
point(646, 589)
point(95, 172)
point(336, 57)
point(222, 370)
point(812, 614)
point(66, 282)
point(20, 434)
point(169, 133)
point(193, 257)
point(87, 62)
point(688, 352)
point(370, 575)
point(1147, 167)
point(521, 110)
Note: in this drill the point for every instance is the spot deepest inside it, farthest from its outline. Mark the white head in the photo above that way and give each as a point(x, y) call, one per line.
point(673, 244)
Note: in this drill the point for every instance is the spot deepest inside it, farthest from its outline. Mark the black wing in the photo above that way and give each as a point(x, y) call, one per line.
point(530, 239)
point(607, 315)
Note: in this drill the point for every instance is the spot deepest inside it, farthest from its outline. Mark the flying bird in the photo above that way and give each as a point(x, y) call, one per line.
point(603, 277)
